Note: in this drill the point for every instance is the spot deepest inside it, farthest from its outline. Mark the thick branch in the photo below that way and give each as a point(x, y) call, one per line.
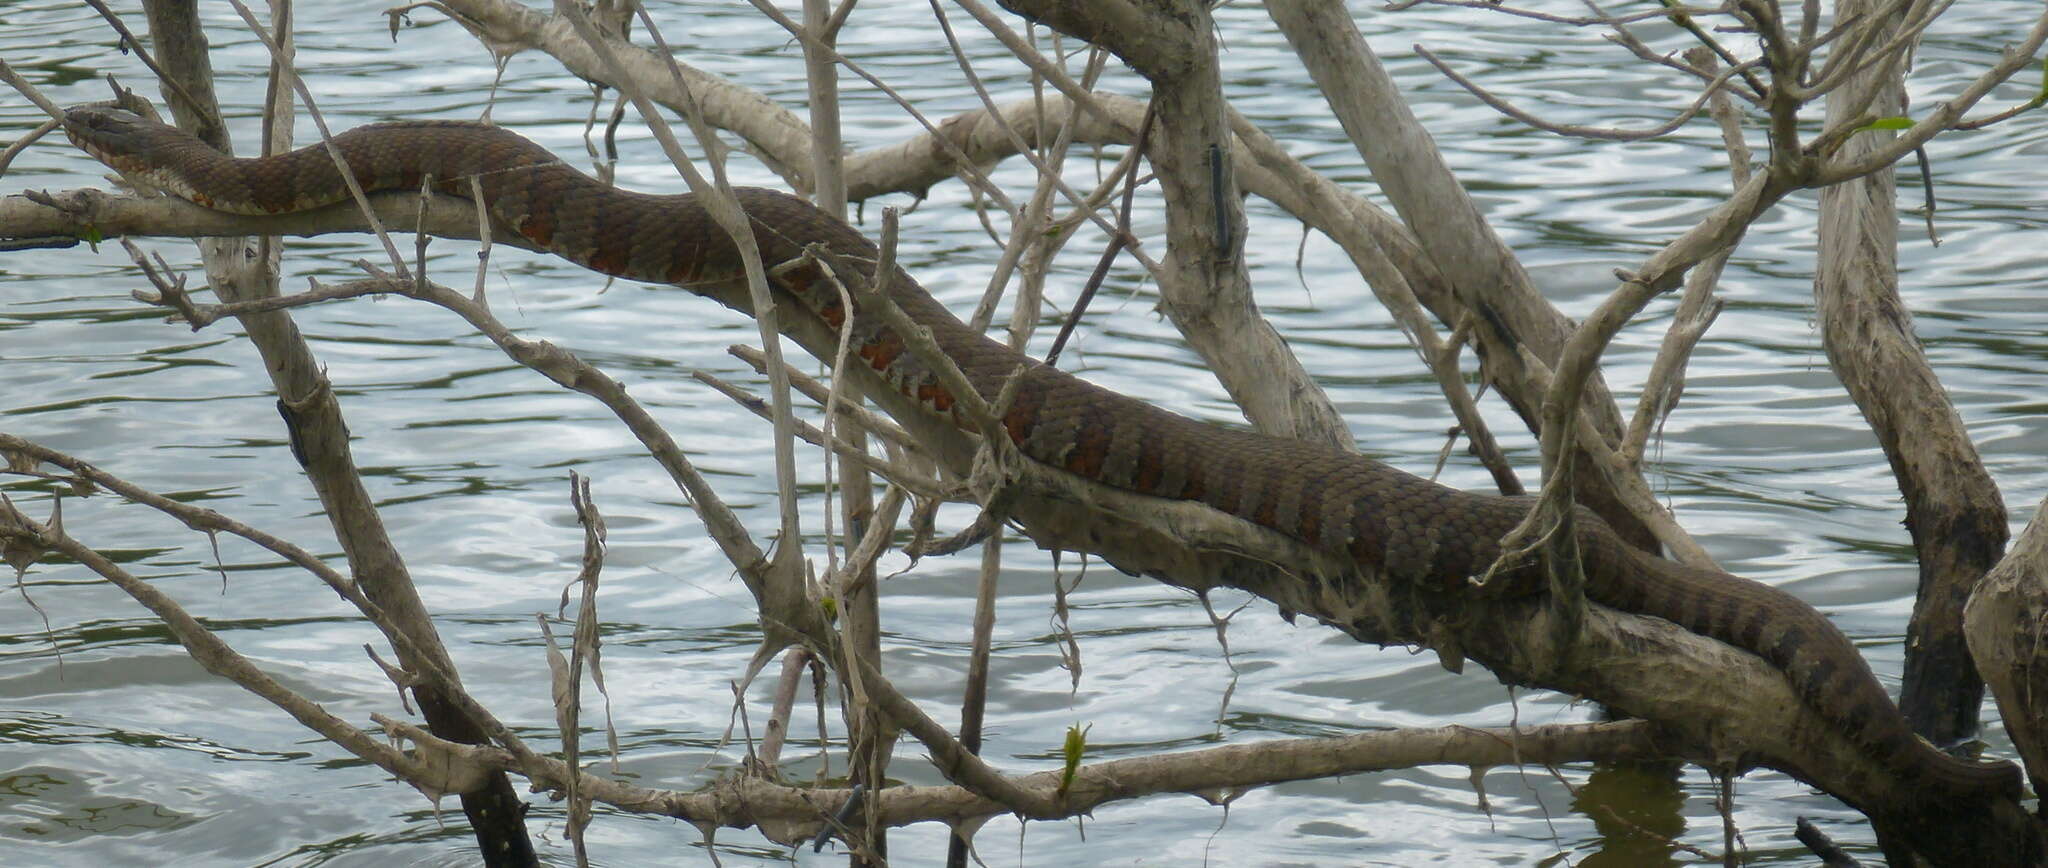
point(1710, 694)
point(792, 813)
point(1953, 508)
point(1207, 292)
point(239, 269)
point(1483, 273)
point(2007, 624)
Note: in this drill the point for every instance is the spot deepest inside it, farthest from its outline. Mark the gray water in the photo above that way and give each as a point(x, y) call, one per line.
point(127, 753)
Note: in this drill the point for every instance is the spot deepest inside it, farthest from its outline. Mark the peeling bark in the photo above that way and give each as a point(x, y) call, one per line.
point(1953, 509)
point(2007, 625)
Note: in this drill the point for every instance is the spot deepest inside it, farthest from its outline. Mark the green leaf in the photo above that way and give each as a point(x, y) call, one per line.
point(1076, 745)
point(92, 236)
point(1894, 123)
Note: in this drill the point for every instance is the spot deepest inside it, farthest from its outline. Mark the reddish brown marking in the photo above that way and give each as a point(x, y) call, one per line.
point(1266, 513)
point(1197, 483)
point(1023, 415)
point(1231, 491)
point(935, 396)
point(1311, 510)
point(1091, 446)
point(539, 226)
point(833, 313)
point(609, 261)
point(1150, 468)
point(1085, 459)
point(798, 280)
point(1365, 542)
point(882, 351)
point(537, 229)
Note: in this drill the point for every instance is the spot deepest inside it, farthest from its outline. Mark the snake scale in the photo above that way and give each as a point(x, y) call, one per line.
point(1386, 521)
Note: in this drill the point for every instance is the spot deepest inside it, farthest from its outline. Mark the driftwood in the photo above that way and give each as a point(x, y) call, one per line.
point(1712, 705)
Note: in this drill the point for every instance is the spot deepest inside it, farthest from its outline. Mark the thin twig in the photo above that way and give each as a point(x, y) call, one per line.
point(348, 175)
point(1943, 115)
point(209, 521)
point(130, 43)
point(809, 387)
point(898, 474)
point(1600, 19)
point(1697, 309)
point(1578, 130)
point(1109, 252)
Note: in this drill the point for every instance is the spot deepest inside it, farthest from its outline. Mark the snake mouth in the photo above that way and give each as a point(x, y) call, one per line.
point(92, 128)
point(106, 132)
point(123, 140)
point(126, 164)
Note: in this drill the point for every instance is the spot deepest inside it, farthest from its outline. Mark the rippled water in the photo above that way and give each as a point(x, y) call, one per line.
point(126, 753)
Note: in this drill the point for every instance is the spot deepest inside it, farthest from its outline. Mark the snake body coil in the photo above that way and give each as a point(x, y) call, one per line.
point(1388, 522)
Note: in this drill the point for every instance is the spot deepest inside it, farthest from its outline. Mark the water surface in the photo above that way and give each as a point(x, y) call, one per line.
point(126, 753)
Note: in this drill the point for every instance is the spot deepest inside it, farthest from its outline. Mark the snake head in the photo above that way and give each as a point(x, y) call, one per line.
point(104, 131)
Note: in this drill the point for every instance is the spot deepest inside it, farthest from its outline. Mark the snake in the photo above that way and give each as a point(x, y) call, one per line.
point(1385, 521)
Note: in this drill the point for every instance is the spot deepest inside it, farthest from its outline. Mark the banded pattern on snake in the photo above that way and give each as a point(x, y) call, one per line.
point(1389, 523)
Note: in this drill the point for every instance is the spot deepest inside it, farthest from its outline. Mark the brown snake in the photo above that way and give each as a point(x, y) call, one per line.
point(1386, 521)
